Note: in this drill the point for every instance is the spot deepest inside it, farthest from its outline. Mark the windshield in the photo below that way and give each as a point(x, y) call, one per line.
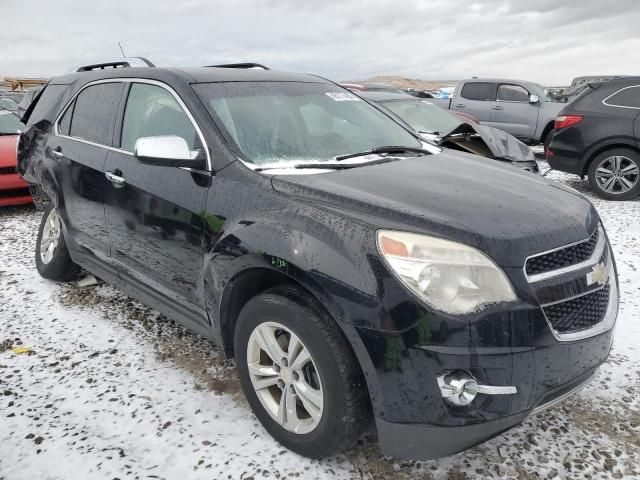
point(9, 123)
point(423, 116)
point(285, 123)
point(8, 104)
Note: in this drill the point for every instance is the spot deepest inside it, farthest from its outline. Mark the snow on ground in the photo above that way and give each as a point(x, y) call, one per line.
point(112, 389)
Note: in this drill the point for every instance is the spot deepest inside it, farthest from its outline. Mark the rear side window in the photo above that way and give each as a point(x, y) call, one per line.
point(512, 93)
point(95, 113)
point(477, 91)
point(628, 97)
point(47, 107)
point(152, 111)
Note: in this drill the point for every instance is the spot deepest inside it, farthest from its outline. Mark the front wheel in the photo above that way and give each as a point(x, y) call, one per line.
point(52, 257)
point(299, 374)
point(615, 174)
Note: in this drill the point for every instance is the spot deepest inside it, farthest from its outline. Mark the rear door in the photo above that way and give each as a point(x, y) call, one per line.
point(512, 112)
point(80, 143)
point(154, 214)
point(475, 98)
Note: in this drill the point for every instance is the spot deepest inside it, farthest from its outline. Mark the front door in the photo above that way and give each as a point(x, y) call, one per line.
point(512, 111)
point(154, 214)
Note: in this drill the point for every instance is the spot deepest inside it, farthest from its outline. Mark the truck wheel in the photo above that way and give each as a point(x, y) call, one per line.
point(52, 257)
point(299, 374)
point(615, 174)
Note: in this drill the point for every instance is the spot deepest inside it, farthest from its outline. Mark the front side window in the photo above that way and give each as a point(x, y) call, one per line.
point(293, 122)
point(512, 93)
point(628, 97)
point(95, 111)
point(423, 116)
point(477, 91)
point(153, 111)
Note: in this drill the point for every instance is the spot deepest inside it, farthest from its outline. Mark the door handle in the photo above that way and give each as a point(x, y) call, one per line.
point(459, 105)
point(497, 107)
point(116, 178)
point(57, 152)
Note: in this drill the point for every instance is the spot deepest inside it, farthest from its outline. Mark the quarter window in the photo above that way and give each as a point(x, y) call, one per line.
point(628, 97)
point(64, 126)
point(477, 91)
point(152, 111)
point(512, 93)
point(95, 113)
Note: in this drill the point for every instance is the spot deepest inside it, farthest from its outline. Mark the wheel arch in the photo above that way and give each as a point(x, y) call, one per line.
point(597, 150)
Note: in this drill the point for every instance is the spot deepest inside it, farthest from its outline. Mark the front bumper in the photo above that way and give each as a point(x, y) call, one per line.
point(13, 190)
point(425, 442)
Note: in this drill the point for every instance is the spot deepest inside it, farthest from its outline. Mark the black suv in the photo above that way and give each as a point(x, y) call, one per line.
point(598, 135)
point(350, 273)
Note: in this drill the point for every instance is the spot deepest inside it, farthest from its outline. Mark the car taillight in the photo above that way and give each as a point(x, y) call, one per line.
point(564, 121)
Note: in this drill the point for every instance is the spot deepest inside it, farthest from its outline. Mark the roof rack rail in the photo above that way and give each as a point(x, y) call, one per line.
point(240, 65)
point(118, 63)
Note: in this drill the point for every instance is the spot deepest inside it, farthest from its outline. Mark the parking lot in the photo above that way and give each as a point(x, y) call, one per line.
point(111, 389)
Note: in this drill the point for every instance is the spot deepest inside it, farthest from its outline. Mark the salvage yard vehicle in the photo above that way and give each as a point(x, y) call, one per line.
point(598, 136)
point(445, 130)
point(520, 108)
point(351, 272)
point(13, 189)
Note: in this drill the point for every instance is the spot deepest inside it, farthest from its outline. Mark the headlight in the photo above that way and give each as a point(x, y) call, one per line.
point(451, 277)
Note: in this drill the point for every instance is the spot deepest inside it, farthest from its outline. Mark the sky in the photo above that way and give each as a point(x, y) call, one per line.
point(548, 41)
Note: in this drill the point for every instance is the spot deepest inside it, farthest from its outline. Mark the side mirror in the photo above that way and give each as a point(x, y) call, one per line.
point(534, 98)
point(167, 151)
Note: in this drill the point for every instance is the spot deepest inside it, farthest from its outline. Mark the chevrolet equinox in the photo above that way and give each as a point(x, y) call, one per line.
point(353, 272)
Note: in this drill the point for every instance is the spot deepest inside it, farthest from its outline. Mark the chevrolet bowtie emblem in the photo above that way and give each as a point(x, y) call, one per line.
point(598, 274)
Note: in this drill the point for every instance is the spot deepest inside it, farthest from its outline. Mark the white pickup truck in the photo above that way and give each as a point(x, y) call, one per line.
point(520, 108)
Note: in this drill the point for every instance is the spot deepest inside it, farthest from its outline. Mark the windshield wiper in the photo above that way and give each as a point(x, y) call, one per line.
point(387, 149)
point(429, 133)
point(326, 165)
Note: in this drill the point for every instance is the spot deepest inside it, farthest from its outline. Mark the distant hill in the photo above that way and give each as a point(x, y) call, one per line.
point(403, 82)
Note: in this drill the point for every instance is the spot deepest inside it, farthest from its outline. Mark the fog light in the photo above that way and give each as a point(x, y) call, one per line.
point(460, 388)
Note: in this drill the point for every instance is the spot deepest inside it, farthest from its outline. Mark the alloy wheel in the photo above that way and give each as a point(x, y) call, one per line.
point(50, 236)
point(284, 377)
point(617, 174)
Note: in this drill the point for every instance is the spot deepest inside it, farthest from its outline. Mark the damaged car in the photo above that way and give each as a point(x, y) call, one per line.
point(443, 129)
point(355, 273)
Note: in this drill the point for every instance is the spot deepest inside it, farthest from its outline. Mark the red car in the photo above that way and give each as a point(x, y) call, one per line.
point(13, 189)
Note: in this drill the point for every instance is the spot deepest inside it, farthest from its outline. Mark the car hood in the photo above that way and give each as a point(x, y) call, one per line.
point(503, 145)
point(503, 211)
point(8, 150)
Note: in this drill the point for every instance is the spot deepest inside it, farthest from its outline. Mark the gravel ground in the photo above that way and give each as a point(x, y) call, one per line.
point(111, 389)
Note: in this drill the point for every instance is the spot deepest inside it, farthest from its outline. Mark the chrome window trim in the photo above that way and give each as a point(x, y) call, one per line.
point(56, 130)
point(604, 102)
point(592, 260)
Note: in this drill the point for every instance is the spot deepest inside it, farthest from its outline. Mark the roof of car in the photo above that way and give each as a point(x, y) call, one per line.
point(386, 96)
point(190, 75)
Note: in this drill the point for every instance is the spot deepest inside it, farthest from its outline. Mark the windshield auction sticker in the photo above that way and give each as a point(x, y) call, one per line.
point(342, 96)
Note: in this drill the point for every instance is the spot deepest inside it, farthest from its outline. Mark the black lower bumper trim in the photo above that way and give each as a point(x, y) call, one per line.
point(426, 442)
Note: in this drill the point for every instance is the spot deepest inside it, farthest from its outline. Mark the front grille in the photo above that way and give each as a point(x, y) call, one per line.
point(8, 170)
point(579, 313)
point(564, 257)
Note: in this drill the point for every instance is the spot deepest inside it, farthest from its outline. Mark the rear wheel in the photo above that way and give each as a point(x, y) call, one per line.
point(615, 174)
point(52, 257)
point(298, 373)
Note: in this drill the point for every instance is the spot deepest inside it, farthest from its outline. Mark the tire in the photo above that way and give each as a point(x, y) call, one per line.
point(53, 264)
point(623, 167)
point(331, 370)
